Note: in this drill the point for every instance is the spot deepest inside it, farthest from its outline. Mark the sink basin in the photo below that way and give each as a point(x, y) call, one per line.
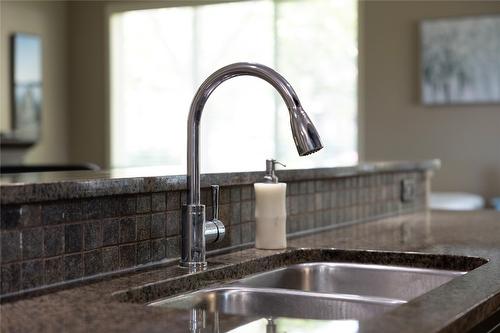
point(392, 282)
point(279, 303)
point(320, 290)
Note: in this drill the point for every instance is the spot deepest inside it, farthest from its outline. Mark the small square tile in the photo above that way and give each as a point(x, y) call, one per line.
point(158, 222)
point(62, 211)
point(311, 201)
point(127, 256)
point(10, 245)
point(209, 212)
point(355, 182)
point(246, 192)
point(54, 269)
point(73, 266)
point(333, 199)
point(325, 198)
point(247, 235)
point(246, 211)
point(92, 262)
point(294, 205)
point(92, 235)
point(235, 194)
point(302, 203)
point(173, 222)
point(344, 215)
point(110, 232)
point(92, 208)
point(127, 229)
point(110, 259)
point(326, 217)
point(235, 234)
point(292, 223)
point(225, 195)
point(32, 243)
point(143, 227)
point(10, 278)
point(158, 202)
point(32, 274)
point(158, 249)
point(143, 203)
point(334, 185)
point(205, 198)
point(318, 186)
point(293, 187)
point(73, 238)
point(235, 213)
point(309, 220)
point(303, 187)
point(173, 247)
point(53, 240)
point(317, 220)
point(117, 206)
point(183, 198)
point(143, 252)
point(225, 213)
point(31, 215)
point(304, 222)
point(173, 200)
point(289, 224)
point(253, 210)
point(318, 199)
point(310, 187)
point(9, 217)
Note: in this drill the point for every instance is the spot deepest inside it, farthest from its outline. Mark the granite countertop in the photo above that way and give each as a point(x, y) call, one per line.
point(453, 307)
point(46, 186)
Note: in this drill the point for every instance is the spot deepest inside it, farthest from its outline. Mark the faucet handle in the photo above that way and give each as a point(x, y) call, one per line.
point(215, 201)
point(214, 228)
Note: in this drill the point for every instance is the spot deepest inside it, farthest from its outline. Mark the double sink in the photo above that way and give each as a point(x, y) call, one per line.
point(318, 290)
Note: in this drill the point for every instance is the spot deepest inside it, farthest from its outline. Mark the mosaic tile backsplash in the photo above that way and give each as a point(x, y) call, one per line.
point(46, 243)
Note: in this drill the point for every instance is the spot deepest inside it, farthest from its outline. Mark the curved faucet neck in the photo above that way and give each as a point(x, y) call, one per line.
point(208, 86)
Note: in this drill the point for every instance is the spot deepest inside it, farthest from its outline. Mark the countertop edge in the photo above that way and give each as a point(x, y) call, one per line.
point(29, 188)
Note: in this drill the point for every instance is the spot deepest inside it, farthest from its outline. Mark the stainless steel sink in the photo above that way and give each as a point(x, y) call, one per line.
point(393, 282)
point(321, 290)
point(279, 303)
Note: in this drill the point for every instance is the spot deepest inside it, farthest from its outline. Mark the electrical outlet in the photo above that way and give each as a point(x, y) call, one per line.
point(408, 190)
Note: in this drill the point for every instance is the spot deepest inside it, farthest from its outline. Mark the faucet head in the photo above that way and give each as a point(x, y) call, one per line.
point(304, 133)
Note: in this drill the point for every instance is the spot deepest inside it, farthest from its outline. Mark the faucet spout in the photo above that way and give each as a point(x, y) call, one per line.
point(304, 133)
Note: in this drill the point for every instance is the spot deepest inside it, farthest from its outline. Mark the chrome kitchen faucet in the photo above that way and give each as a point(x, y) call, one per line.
point(196, 230)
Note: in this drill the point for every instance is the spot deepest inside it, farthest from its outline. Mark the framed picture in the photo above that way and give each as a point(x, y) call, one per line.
point(460, 60)
point(26, 86)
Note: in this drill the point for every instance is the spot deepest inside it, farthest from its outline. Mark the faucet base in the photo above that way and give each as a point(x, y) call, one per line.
point(193, 266)
point(193, 236)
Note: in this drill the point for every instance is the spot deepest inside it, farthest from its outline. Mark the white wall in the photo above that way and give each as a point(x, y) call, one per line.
point(49, 20)
point(397, 126)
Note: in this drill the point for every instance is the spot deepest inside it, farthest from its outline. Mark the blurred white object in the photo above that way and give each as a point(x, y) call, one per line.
point(456, 201)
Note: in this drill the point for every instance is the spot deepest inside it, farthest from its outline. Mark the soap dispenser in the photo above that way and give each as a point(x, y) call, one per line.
point(270, 210)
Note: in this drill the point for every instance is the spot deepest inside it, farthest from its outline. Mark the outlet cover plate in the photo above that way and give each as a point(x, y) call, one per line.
point(408, 190)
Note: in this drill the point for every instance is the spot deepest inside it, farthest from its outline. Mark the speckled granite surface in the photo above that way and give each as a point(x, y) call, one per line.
point(453, 307)
point(43, 244)
point(46, 186)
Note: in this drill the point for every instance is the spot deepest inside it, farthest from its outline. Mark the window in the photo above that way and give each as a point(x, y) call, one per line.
point(159, 57)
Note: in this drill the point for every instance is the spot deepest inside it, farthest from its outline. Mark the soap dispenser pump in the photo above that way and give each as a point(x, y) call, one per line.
point(270, 176)
point(270, 210)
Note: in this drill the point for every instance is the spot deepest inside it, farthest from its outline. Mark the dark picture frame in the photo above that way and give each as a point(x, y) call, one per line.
point(460, 60)
point(26, 93)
